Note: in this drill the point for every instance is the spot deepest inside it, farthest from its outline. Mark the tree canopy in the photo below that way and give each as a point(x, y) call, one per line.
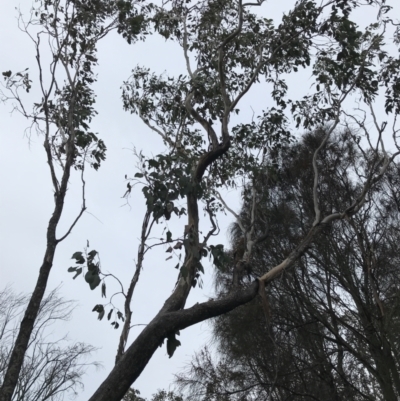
point(229, 48)
point(328, 329)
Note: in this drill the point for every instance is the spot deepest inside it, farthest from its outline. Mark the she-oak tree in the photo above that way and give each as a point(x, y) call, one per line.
point(328, 327)
point(228, 47)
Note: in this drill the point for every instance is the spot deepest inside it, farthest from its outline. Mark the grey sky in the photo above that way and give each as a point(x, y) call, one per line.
point(112, 228)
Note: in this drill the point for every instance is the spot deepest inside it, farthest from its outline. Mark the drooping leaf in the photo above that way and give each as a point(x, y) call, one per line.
point(172, 344)
point(96, 281)
point(77, 255)
point(92, 254)
point(79, 258)
point(120, 316)
point(78, 272)
point(93, 279)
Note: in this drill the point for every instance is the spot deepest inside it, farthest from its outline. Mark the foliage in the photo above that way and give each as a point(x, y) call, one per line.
point(161, 395)
point(228, 48)
point(330, 328)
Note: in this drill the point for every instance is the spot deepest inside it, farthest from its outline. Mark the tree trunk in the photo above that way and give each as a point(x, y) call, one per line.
point(27, 323)
point(135, 359)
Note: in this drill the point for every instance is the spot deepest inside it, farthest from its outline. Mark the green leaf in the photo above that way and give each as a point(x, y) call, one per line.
point(172, 344)
point(169, 236)
point(153, 163)
point(89, 277)
point(109, 314)
point(77, 255)
point(93, 279)
point(95, 282)
point(139, 175)
point(71, 269)
point(92, 267)
point(100, 310)
point(80, 261)
point(92, 254)
point(103, 290)
point(78, 272)
point(78, 258)
point(178, 245)
point(7, 74)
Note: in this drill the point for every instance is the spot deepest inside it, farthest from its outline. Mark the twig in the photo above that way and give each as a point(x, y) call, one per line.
point(83, 208)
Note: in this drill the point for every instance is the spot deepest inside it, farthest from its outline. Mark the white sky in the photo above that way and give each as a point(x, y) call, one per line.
point(26, 200)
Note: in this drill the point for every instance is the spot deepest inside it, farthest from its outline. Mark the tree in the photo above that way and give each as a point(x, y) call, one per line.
point(62, 117)
point(53, 367)
point(228, 49)
point(327, 329)
point(161, 395)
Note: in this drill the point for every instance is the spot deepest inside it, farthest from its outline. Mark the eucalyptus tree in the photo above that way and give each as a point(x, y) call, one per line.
point(228, 48)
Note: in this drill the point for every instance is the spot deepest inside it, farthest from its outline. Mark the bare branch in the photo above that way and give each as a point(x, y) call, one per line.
point(146, 228)
point(316, 176)
point(213, 223)
point(238, 219)
point(83, 207)
point(186, 47)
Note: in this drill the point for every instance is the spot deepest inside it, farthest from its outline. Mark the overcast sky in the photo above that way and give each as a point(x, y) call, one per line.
point(112, 228)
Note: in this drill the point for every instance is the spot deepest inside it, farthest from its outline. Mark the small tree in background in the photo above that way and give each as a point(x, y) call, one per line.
point(161, 395)
point(53, 367)
point(327, 330)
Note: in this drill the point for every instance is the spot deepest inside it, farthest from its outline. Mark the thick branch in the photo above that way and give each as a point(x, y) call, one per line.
point(316, 175)
point(202, 121)
point(139, 353)
point(293, 256)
